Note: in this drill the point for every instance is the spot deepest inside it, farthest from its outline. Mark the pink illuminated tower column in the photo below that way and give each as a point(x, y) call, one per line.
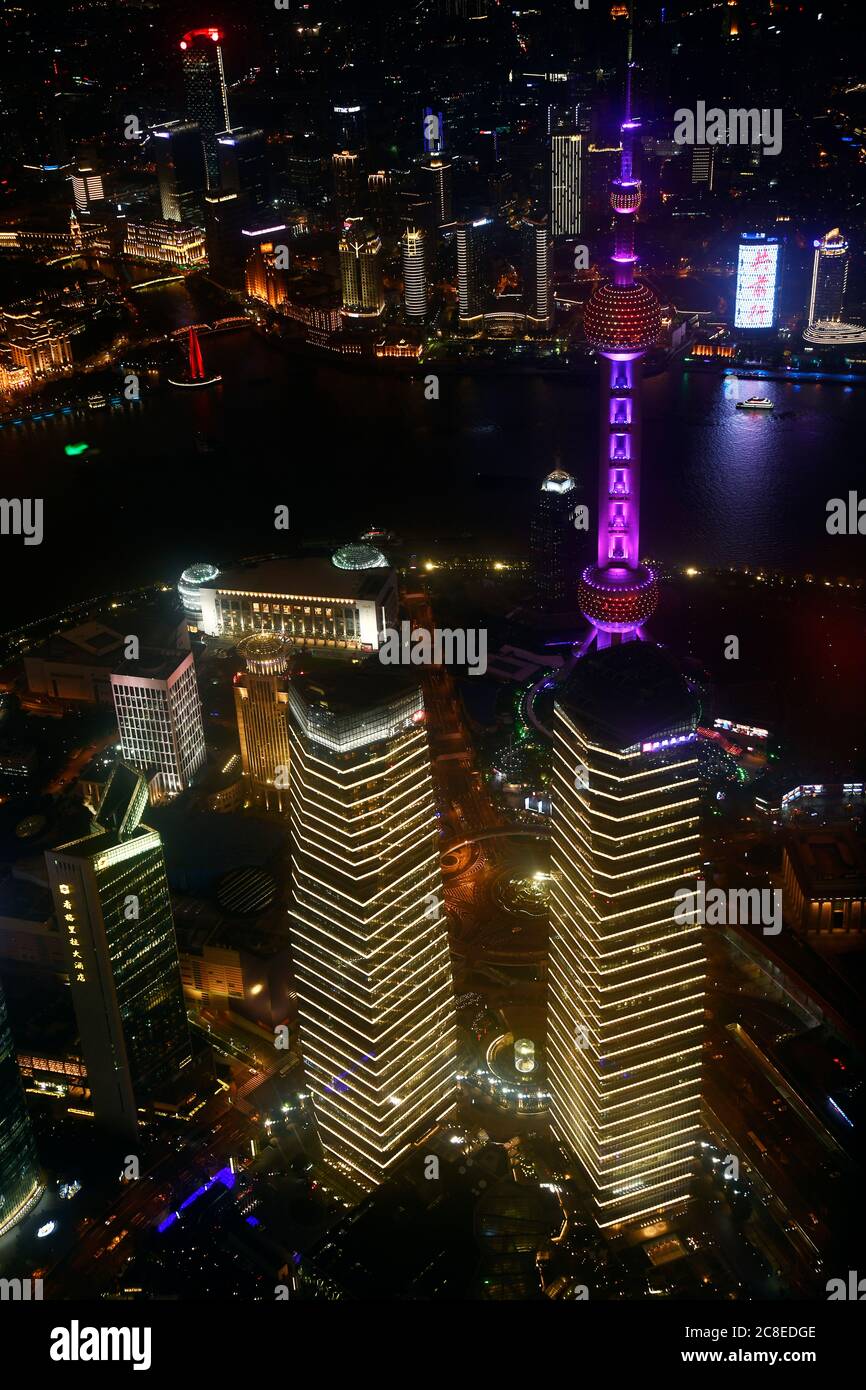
point(623, 319)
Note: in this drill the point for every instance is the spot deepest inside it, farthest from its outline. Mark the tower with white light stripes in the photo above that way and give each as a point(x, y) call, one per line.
point(626, 981)
point(368, 933)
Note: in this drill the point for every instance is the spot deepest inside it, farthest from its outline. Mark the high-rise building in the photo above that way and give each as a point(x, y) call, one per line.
point(180, 169)
point(225, 215)
point(87, 186)
point(413, 248)
point(266, 276)
point(626, 979)
point(703, 166)
point(346, 169)
point(622, 321)
point(554, 544)
point(433, 129)
point(350, 124)
point(566, 184)
point(20, 1185)
point(361, 269)
point(436, 174)
point(261, 701)
point(759, 265)
point(537, 296)
point(473, 268)
point(243, 164)
point(159, 717)
point(207, 101)
point(829, 278)
point(112, 903)
point(370, 947)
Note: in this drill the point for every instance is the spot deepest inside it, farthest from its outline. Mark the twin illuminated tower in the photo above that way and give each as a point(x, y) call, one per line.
point(623, 319)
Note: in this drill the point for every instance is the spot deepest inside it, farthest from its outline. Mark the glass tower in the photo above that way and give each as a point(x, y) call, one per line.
point(112, 902)
point(369, 941)
point(206, 96)
point(626, 984)
point(20, 1188)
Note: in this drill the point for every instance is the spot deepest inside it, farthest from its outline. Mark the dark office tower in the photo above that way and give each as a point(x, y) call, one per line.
point(225, 215)
point(112, 903)
point(554, 545)
point(180, 169)
point(433, 129)
point(20, 1188)
point(350, 125)
point(626, 986)
point(436, 188)
point(370, 947)
point(473, 268)
point(243, 164)
point(537, 251)
point(206, 96)
point(346, 170)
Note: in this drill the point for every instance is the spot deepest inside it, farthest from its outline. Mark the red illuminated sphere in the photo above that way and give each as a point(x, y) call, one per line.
point(622, 318)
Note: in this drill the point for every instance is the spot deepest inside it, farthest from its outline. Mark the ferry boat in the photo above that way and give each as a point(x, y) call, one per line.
point(97, 401)
point(756, 403)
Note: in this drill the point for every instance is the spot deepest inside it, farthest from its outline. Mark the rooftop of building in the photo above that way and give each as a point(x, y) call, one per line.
point(346, 687)
point(828, 862)
point(98, 644)
point(307, 576)
point(628, 692)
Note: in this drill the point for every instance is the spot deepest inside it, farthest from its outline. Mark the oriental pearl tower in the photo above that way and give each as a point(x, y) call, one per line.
point(622, 320)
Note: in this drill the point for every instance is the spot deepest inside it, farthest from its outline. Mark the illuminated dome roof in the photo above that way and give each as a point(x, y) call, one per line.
point(358, 557)
point(199, 574)
point(622, 318)
point(558, 481)
point(266, 653)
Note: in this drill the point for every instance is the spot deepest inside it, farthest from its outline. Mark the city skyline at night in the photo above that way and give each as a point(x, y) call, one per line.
point(432, 761)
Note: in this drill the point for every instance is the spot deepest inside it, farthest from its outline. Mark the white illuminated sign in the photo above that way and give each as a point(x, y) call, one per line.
point(757, 269)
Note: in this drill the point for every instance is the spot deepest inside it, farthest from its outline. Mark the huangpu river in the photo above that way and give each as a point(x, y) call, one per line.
point(187, 476)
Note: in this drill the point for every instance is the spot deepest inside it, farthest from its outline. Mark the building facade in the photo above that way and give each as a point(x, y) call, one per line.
point(206, 95)
point(566, 184)
point(369, 941)
point(626, 983)
point(112, 901)
point(159, 719)
point(413, 250)
point(261, 702)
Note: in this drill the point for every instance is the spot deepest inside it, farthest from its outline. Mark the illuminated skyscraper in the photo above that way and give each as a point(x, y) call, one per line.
point(180, 169)
point(87, 186)
point(436, 175)
point(622, 320)
point(261, 702)
point(361, 269)
point(626, 980)
point(413, 248)
point(372, 967)
point(566, 184)
point(159, 718)
point(20, 1187)
point(206, 97)
point(537, 296)
point(829, 278)
point(112, 903)
point(473, 268)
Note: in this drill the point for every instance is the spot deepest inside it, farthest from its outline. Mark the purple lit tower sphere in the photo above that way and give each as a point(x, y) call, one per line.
point(623, 319)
